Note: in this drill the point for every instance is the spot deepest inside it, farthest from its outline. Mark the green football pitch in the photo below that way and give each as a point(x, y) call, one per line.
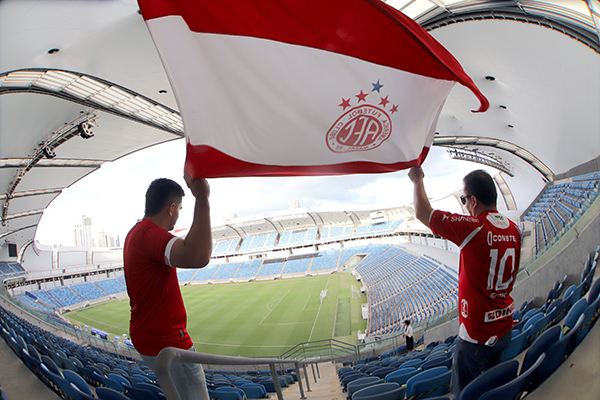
point(253, 319)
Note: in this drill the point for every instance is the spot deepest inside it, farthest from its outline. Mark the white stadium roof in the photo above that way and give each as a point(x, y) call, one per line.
point(66, 64)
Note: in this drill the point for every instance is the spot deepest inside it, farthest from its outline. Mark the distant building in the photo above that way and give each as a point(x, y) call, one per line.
point(83, 233)
point(102, 242)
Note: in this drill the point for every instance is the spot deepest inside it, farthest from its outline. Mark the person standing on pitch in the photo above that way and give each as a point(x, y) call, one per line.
point(490, 248)
point(151, 256)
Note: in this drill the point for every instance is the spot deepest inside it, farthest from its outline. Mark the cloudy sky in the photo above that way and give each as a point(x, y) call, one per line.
point(113, 196)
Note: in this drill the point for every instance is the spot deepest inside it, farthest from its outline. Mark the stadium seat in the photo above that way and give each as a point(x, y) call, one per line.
point(590, 315)
point(402, 375)
point(110, 394)
point(226, 393)
point(416, 363)
point(381, 391)
point(150, 387)
point(442, 361)
point(434, 382)
point(514, 388)
point(494, 377)
point(254, 391)
point(136, 393)
point(556, 354)
point(77, 389)
point(573, 315)
point(362, 383)
point(539, 346)
point(383, 371)
point(120, 379)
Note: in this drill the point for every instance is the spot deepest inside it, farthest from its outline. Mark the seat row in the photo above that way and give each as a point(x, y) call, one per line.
point(548, 335)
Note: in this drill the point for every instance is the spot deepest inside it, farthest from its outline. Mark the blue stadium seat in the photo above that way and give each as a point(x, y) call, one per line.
point(514, 388)
point(402, 375)
point(433, 382)
point(381, 391)
point(110, 394)
point(362, 383)
point(494, 377)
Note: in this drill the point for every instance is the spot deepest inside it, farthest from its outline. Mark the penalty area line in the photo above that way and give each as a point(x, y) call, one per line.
point(271, 310)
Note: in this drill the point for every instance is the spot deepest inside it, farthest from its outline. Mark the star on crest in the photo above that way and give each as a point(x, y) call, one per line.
point(384, 101)
point(362, 96)
point(345, 103)
point(394, 109)
point(376, 86)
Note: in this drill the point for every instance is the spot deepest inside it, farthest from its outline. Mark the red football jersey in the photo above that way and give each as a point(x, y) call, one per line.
point(490, 250)
point(158, 316)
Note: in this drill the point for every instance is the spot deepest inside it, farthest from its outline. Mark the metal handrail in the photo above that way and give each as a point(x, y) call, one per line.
point(330, 344)
point(169, 355)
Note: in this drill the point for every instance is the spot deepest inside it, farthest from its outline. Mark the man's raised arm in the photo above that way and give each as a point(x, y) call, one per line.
point(195, 250)
point(423, 208)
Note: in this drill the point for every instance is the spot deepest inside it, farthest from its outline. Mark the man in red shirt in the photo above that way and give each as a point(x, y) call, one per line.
point(151, 257)
point(490, 248)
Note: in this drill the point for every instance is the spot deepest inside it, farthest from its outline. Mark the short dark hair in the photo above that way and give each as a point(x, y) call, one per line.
point(481, 185)
point(160, 193)
point(407, 321)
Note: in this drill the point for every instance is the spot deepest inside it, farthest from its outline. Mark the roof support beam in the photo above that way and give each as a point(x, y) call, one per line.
point(46, 150)
point(8, 233)
point(53, 163)
point(25, 214)
point(29, 193)
point(95, 93)
point(528, 157)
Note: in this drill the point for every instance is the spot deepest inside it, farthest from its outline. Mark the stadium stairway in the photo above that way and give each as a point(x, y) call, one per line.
point(17, 380)
point(327, 386)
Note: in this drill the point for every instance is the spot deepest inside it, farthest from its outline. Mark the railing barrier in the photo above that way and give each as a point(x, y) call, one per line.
point(169, 355)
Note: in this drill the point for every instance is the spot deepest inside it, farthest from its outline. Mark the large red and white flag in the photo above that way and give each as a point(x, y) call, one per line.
point(311, 87)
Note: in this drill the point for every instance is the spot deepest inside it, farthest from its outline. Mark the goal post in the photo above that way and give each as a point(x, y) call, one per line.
point(323, 295)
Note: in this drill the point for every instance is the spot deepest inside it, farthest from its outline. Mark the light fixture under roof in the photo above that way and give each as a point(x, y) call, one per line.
point(53, 50)
point(490, 78)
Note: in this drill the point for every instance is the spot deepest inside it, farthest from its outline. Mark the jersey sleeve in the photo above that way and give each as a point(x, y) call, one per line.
point(456, 228)
point(156, 242)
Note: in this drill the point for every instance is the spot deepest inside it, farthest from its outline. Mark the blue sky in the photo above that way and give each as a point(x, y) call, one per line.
point(113, 196)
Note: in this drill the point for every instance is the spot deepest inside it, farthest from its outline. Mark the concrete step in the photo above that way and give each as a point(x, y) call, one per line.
point(326, 387)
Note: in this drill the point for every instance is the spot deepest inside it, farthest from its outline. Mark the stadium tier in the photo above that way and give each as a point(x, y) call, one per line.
point(248, 269)
point(542, 338)
point(299, 237)
point(559, 206)
point(10, 270)
point(88, 291)
point(401, 285)
point(111, 286)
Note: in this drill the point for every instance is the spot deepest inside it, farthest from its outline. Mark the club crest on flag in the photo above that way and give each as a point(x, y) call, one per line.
point(288, 88)
point(366, 125)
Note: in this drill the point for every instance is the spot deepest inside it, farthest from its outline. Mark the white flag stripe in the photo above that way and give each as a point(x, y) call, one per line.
point(242, 107)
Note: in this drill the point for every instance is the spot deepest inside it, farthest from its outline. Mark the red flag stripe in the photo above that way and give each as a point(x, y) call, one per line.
point(206, 161)
point(340, 26)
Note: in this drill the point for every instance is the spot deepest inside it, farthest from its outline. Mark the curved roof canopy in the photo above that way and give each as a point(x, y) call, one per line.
point(81, 84)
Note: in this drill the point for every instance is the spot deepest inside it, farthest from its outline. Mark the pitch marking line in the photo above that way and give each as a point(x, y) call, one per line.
point(213, 301)
point(305, 304)
point(271, 309)
point(317, 317)
point(82, 319)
